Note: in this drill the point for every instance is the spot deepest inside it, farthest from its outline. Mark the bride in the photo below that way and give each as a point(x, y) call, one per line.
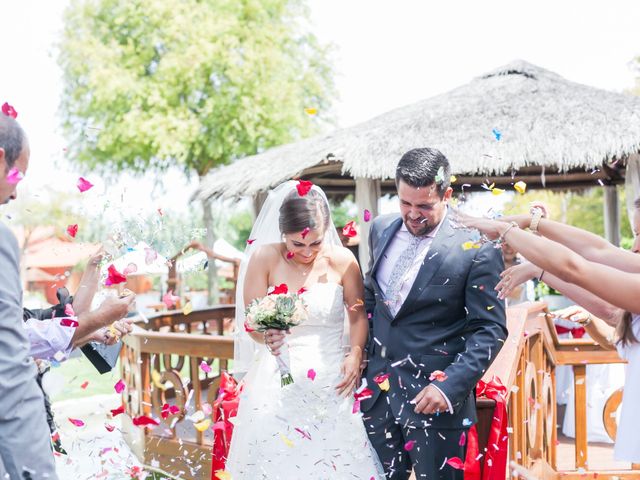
point(307, 429)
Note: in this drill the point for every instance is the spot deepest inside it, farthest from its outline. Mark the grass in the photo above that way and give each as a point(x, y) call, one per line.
point(70, 375)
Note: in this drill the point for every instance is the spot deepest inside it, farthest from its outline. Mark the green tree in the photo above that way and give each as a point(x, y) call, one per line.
point(195, 84)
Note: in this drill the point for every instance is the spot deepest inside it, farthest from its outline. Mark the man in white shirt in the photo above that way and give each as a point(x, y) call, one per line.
point(435, 325)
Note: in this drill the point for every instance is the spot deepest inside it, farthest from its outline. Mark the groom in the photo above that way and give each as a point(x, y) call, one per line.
point(436, 324)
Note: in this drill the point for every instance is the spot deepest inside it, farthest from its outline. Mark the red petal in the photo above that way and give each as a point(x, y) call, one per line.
point(349, 230)
point(251, 240)
point(367, 215)
point(409, 445)
point(302, 290)
point(84, 184)
point(110, 428)
point(117, 411)
point(84, 385)
point(9, 111)
point(114, 277)
point(68, 322)
point(380, 378)
point(119, 386)
point(305, 232)
point(282, 288)
point(303, 187)
point(456, 463)
point(143, 420)
point(290, 255)
point(72, 230)
point(365, 393)
point(77, 423)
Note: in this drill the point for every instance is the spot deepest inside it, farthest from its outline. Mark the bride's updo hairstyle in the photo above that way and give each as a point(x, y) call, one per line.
point(299, 212)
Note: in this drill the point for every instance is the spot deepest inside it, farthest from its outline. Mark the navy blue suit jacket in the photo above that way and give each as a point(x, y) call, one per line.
point(451, 320)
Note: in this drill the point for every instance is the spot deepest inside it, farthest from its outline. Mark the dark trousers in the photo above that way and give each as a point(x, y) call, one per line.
point(431, 449)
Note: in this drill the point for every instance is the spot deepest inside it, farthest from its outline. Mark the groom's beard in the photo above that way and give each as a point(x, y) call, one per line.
point(424, 227)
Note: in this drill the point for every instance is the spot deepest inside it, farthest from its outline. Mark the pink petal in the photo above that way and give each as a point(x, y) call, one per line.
point(205, 367)
point(367, 215)
point(356, 406)
point(14, 176)
point(72, 230)
point(9, 111)
point(311, 374)
point(150, 255)
point(77, 423)
point(120, 386)
point(409, 445)
point(68, 310)
point(218, 426)
point(84, 184)
point(463, 439)
point(110, 428)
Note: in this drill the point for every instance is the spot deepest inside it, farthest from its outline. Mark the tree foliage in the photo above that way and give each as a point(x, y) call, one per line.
point(192, 83)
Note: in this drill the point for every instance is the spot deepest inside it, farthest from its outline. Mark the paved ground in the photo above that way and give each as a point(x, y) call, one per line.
point(93, 451)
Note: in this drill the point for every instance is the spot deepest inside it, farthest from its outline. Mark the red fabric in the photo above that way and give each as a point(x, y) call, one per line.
point(495, 458)
point(577, 332)
point(224, 408)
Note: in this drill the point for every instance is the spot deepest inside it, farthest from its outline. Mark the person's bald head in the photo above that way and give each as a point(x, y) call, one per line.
point(14, 153)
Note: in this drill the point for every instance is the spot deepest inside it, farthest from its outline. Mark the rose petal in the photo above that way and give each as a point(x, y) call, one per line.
point(456, 463)
point(303, 187)
point(282, 288)
point(114, 276)
point(76, 422)
point(117, 411)
point(204, 366)
point(143, 420)
point(110, 428)
point(84, 184)
point(349, 230)
point(311, 374)
point(119, 386)
point(367, 215)
point(9, 111)
point(409, 445)
point(14, 176)
point(72, 230)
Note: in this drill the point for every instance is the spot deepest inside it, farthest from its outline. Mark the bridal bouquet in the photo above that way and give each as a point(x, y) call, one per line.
point(279, 310)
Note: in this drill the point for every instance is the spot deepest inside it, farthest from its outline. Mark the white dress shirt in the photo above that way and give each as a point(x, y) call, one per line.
point(51, 338)
point(397, 245)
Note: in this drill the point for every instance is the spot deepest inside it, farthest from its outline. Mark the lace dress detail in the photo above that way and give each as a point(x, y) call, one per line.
point(304, 430)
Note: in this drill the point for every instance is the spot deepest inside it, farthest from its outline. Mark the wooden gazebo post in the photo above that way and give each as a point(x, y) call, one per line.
point(367, 196)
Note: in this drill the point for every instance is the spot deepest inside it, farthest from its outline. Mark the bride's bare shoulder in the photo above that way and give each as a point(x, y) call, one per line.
point(269, 252)
point(341, 257)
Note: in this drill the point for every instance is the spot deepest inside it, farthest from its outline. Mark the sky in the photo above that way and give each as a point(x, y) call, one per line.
point(386, 55)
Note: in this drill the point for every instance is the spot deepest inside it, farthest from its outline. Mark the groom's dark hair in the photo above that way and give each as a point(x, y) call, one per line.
point(421, 167)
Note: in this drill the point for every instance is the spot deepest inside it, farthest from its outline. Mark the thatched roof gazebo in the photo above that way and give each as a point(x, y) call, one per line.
point(518, 122)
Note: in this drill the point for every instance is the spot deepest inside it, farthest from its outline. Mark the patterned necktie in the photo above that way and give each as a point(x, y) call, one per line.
point(400, 269)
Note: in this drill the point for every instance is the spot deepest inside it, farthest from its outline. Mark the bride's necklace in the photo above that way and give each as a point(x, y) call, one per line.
point(305, 270)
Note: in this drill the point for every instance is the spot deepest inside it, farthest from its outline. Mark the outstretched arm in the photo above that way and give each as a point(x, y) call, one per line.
point(589, 245)
point(567, 265)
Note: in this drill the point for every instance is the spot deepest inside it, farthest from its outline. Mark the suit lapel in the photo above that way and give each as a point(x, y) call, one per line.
point(382, 244)
point(435, 256)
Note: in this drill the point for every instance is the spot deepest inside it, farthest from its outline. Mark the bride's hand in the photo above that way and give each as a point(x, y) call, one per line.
point(350, 371)
point(274, 339)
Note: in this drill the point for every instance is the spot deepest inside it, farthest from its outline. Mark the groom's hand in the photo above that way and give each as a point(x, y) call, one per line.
point(430, 400)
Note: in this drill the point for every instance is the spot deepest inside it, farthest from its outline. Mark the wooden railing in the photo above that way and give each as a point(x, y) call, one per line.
point(526, 365)
point(161, 365)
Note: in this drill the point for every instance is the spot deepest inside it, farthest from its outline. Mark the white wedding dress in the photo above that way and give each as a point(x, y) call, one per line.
point(304, 430)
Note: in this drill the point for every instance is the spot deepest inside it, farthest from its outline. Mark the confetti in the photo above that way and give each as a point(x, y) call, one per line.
point(282, 288)
point(72, 230)
point(463, 439)
point(143, 420)
point(520, 187)
point(438, 375)
point(497, 191)
point(367, 215)
point(76, 422)
point(310, 111)
point(168, 410)
point(119, 386)
point(170, 300)
point(469, 245)
point(497, 133)
point(286, 441)
point(204, 366)
point(114, 277)
point(302, 290)
point(223, 475)
point(150, 256)
point(84, 185)
point(250, 241)
point(203, 425)
point(68, 310)
point(305, 232)
point(359, 303)
point(349, 230)
point(9, 111)
point(382, 381)
point(187, 309)
point(456, 463)
point(84, 385)
point(303, 187)
point(409, 445)
point(117, 411)
point(453, 179)
point(290, 255)
point(110, 428)
point(14, 176)
point(466, 422)
point(311, 374)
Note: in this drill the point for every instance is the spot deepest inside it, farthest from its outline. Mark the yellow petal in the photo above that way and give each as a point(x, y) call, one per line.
point(384, 386)
point(469, 245)
point(187, 309)
point(520, 187)
point(155, 378)
point(453, 179)
point(286, 441)
point(203, 425)
point(223, 475)
point(310, 111)
point(497, 191)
